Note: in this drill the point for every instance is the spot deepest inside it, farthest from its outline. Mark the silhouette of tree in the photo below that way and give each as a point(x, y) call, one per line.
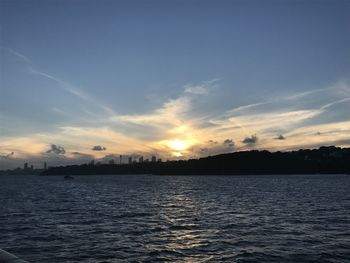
point(331, 160)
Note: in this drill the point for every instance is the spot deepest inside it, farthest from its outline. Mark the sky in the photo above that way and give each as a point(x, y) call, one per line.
point(83, 80)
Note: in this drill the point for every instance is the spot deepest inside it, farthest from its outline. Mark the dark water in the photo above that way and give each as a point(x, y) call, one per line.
point(178, 219)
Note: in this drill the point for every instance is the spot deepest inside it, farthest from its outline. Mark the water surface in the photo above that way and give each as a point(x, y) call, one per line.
point(135, 218)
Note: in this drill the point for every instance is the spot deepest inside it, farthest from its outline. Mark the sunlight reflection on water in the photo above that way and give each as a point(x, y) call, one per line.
point(176, 218)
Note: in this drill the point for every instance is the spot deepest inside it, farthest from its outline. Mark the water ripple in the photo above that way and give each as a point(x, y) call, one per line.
point(176, 218)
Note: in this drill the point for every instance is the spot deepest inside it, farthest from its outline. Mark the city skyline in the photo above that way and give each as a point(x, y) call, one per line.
point(90, 80)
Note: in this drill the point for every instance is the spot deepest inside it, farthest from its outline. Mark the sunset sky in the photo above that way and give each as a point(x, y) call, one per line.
point(83, 80)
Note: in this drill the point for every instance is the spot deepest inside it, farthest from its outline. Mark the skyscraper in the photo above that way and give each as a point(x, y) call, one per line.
point(25, 166)
point(154, 159)
point(141, 159)
point(130, 160)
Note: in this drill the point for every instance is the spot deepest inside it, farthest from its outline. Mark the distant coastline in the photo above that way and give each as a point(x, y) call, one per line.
point(325, 160)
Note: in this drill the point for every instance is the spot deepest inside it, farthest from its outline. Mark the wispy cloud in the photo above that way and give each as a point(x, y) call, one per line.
point(331, 104)
point(169, 113)
point(17, 54)
point(177, 127)
point(62, 84)
point(72, 89)
point(202, 88)
point(285, 114)
point(245, 107)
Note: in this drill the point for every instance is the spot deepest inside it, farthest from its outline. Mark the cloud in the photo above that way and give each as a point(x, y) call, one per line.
point(250, 140)
point(64, 85)
point(188, 118)
point(72, 89)
point(202, 88)
point(280, 137)
point(17, 54)
point(168, 114)
point(80, 157)
point(56, 149)
point(229, 142)
point(203, 150)
point(99, 148)
point(174, 118)
point(6, 156)
point(331, 104)
point(212, 147)
point(79, 154)
point(285, 113)
point(246, 107)
point(196, 90)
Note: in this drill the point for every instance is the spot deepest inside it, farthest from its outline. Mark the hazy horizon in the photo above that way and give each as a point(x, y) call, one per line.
point(82, 80)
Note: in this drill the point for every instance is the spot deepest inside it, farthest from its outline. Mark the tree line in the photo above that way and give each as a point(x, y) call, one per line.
point(325, 160)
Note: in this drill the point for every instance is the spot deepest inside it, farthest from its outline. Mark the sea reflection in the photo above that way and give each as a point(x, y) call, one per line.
point(183, 230)
point(176, 219)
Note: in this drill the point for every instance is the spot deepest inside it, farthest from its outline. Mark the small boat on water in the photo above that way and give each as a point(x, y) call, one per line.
point(68, 177)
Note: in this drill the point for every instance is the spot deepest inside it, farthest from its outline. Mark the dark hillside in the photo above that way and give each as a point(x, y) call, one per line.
point(324, 160)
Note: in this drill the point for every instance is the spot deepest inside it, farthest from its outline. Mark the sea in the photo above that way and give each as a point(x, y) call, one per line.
point(148, 218)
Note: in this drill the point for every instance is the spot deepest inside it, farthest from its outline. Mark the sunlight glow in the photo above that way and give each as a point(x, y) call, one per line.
point(177, 154)
point(178, 145)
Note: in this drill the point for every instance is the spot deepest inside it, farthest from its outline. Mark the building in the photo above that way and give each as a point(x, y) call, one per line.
point(141, 159)
point(111, 161)
point(25, 166)
point(130, 160)
point(45, 165)
point(154, 159)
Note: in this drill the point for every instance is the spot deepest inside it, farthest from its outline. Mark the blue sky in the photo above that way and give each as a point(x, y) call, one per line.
point(172, 78)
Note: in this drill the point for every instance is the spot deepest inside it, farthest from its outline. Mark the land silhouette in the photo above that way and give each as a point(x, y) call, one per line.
point(325, 160)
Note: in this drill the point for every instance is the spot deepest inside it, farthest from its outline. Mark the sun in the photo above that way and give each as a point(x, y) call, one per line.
point(178, 145)
point(177, 154)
